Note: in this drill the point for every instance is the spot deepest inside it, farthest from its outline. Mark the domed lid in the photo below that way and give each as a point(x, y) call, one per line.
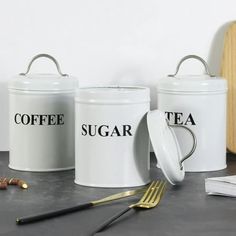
point(166, 146)
point(43, 82)
point(192, 83)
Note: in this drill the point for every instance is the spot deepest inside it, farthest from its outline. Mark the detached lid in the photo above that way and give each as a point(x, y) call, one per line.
point(192, 83)
point(113, 95)
point(43, 82)
point(166, 146)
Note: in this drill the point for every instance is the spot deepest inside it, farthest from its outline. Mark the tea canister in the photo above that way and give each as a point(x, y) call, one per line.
point(41, 113)
point(111, 136)
point(197, 102)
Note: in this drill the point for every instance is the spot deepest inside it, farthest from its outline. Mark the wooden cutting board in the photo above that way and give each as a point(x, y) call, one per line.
point(228, 71)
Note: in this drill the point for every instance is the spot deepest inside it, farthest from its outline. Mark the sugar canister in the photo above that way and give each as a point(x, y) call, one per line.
point(197, 102)
point(112, 141)
point(42, 120)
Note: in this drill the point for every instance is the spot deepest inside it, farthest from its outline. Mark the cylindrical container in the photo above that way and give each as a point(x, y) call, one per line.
point(111, 140)
point(42, 121)
point(197, 102)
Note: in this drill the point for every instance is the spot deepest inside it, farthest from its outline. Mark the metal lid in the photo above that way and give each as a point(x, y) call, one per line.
point(113, 95)
point(43, 82)
point(192, 83)
point(166, 146)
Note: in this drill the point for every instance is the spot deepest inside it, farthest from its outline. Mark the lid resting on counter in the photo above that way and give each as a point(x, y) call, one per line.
point(166, 146)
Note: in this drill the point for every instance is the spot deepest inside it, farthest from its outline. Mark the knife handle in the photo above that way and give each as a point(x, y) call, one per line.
point(51, 214)
point(112, 219)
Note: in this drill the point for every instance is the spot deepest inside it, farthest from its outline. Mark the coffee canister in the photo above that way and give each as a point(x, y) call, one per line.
point(111, 140)
point(42, 120)
point(197, 102)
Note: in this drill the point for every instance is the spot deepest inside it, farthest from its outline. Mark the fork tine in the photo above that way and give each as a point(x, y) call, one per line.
point(154, 187)
point(147, 192)
point(160, 193)
point(155, 192)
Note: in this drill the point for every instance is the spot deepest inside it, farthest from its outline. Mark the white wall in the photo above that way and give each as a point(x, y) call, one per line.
point(109, 41)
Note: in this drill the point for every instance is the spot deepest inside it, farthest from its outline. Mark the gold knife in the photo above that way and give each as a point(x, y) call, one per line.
point(51, 214)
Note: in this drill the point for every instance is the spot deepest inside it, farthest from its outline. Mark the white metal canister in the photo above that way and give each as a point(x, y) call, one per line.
point(42, 120)
point(111, 140)
point(198, 102)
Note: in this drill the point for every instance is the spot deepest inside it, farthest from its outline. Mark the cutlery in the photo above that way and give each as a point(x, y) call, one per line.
point(63, 211)
point(150, 199)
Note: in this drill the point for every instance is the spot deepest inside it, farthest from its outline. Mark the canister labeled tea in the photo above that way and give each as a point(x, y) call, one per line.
point(42, 120)
point(199, 103)
point(112, 141)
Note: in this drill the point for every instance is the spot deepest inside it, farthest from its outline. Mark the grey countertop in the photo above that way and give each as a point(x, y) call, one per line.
point(184, 210)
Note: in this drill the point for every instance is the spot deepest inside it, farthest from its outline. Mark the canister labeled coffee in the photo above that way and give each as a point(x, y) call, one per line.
point(42, 120)
point(199, 103)
point(112, 141)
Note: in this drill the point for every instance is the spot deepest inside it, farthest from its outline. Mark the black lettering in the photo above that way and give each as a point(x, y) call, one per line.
point(104, 134)
point(90, 130)
point(17, 114)
point(178, 116)
point(60, 120)
point(168, 115)
point(126, 130)
point(115, 131)
point(106, 131)
point(34, 119)
point(42, 119)
point(190, 119)
point(51, 120)
point(25, 119)
point(84, 130)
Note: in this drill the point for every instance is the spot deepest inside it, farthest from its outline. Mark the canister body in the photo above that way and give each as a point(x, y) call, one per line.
point(41, 130)
point(205, 114)
point(111, 140)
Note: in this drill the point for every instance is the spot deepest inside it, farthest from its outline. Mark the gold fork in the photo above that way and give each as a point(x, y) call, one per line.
point(150, 199)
